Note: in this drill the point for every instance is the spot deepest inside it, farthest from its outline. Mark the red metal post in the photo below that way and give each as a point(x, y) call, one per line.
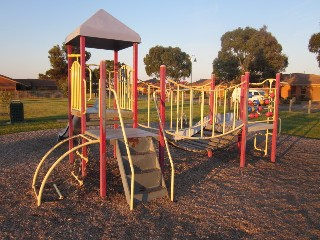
point(103, 144)
point(115, 75)
point(244, 117)
point(135, 85)
point(276, 118)
point(162, 113)
point(115, 82)
point(70, 61)
point(241, 109)
point(211, 103)
point(83, 100)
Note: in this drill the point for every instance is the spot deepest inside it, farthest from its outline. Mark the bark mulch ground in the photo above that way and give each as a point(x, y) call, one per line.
point(214, 198)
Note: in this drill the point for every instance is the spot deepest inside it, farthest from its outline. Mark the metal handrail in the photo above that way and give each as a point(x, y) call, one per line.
point(167, 147)
point(127, 146)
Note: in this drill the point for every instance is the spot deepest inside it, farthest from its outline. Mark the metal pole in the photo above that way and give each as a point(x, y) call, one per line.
point(244, 117)
point(115, 82)
point(83, 101)
point(102, 114)
point(135, 84)
point(70, 61)
point(275, 119)
point(162, 114)
point(211, 104)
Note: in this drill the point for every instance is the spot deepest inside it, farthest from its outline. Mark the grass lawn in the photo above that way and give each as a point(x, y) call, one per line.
point(48, 113)
point(39, 114)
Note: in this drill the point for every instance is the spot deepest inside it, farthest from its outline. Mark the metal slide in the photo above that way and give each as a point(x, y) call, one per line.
point(76, 122)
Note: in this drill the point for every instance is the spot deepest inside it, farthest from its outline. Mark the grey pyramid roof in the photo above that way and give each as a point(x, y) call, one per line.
point(103, 31)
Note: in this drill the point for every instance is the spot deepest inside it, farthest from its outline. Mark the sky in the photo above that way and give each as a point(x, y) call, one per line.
point(30, 28)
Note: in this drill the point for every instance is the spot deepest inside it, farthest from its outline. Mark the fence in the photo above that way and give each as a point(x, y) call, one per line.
point(37, 94)
point(309, 107)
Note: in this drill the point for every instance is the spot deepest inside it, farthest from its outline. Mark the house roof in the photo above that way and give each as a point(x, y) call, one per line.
point(298, 79)
point(103, 31)
point(200, 82)
point(37, 82)
point(6, 81)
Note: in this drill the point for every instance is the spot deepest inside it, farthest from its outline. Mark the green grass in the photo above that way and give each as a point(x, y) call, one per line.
point(301, 124)
point(50, 113)
point(39, 114)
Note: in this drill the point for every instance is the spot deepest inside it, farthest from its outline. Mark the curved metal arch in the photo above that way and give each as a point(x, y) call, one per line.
point(39, 195)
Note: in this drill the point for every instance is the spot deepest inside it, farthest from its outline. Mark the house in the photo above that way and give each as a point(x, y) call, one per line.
point(301, 86)
point(36, 84)
point(143, 85)
point(7, 84)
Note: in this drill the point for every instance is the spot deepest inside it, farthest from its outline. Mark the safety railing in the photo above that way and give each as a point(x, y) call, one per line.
point(166, 144)
point(76, 86)
point(125, 84)
point(191, 109)
point(126, 144)
point(265, 108)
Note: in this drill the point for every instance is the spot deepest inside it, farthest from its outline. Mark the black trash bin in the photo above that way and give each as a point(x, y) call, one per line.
point(16, 111)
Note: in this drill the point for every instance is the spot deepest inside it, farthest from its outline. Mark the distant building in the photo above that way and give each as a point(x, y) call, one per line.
point(7, 84)
point(301, 86)
point(36, 84)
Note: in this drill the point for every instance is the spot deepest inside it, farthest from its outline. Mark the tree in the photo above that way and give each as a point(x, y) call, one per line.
point(249, 49)
point(314, 45)
point(59, 65)
point(226, 67)
point(178, 63)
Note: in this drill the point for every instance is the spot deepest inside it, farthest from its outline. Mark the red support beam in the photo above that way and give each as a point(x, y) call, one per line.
point(276, 119)
point(162, 114)
point(103, 144)
point(115, 82)
point(135, 85)
point(83, 100)
point(115, 75)
point(244, 117)
point(70, 61)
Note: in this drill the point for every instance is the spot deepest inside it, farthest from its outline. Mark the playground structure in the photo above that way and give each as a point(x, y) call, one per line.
point(215, 126)
point(140, 167)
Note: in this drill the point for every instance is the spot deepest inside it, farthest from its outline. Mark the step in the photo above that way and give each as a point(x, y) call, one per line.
point(149, 194)
point(150, 178)
point(137, 145)
point(141, 162)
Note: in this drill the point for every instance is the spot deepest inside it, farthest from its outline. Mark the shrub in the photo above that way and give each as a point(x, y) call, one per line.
point(5, 99)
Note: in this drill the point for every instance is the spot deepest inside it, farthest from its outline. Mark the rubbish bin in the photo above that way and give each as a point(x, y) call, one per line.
point(16, 111)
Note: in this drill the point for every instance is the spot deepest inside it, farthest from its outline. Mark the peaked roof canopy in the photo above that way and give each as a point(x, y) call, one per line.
point(103, 31)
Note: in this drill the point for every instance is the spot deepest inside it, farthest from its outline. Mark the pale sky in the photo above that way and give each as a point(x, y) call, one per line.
point(30, 28)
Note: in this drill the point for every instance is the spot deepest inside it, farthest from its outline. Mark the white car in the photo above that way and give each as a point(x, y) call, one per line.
point(254, 94)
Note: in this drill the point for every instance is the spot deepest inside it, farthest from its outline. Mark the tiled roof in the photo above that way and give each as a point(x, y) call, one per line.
point(301, 79)
point(6, 81)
